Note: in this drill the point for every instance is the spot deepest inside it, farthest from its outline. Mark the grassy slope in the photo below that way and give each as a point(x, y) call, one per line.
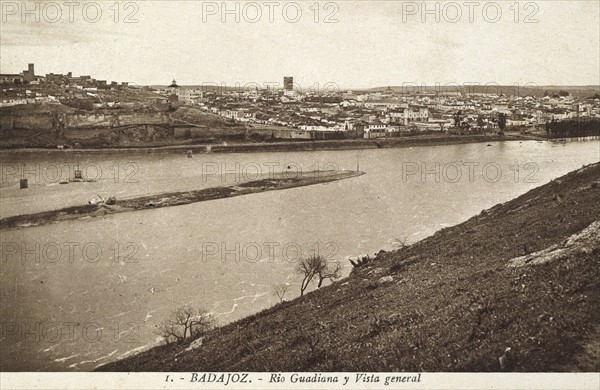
point(453, 305)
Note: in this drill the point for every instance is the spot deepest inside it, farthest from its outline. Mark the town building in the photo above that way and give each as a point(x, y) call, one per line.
point(288, 83)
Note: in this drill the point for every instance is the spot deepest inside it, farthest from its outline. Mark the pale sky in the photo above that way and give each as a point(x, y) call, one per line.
point(372, 44)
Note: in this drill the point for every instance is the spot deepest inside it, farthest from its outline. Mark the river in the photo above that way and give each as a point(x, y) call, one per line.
point(80, 293)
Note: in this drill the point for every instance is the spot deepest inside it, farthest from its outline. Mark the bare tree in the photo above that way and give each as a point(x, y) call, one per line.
point(316, 266)
point(280, 290)
point(330, 271)
point(306, 268)
point(186, 322)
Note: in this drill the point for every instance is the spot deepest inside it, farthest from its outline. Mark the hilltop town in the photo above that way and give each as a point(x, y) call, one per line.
point(80, 111)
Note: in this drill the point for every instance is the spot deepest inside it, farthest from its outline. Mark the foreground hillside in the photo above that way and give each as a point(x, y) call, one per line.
point(523, 275)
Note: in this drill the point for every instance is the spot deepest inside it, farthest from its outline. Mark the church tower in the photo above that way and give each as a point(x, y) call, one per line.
point(174, 88)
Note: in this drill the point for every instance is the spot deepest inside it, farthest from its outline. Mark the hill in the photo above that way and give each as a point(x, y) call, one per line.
point(523, 275)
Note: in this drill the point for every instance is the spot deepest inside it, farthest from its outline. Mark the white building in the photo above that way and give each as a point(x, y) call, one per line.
point(375, 131)
point(420, 114)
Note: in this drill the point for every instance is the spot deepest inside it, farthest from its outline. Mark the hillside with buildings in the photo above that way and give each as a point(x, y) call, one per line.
point(80, 111)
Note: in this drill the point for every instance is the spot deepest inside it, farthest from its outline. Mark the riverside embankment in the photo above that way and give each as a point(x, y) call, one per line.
point(282, 146)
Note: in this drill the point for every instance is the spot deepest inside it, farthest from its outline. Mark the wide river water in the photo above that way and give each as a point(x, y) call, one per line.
point(80, 293)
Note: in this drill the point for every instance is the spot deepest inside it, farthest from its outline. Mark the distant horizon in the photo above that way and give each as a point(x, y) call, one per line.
point(356, 44)
point(279, 84)
point(466, 84)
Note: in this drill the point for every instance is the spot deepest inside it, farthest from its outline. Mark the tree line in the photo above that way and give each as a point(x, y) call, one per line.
point(573, 128)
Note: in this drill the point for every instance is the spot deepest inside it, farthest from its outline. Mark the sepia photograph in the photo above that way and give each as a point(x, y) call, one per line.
point(299, 194)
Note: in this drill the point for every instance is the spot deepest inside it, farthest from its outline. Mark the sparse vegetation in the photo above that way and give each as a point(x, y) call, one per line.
point(360, 262)
point(450, 302)
point(186, 323)
point(280, 290)
point(316, 266)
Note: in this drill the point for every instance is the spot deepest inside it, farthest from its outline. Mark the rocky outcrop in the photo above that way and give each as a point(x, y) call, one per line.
point(585, 241)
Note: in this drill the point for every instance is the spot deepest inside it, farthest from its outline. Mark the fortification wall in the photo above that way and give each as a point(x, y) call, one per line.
point(41, 122)
point(113, 120)
point(32, 122)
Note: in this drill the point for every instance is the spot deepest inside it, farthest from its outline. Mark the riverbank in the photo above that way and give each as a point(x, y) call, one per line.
point(273, 182)
point(291, 146)
point(515, 288)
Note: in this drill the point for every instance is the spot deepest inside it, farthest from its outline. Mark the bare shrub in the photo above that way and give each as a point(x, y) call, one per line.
point(317, 266)
point(280, 290)
point(186, 323)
